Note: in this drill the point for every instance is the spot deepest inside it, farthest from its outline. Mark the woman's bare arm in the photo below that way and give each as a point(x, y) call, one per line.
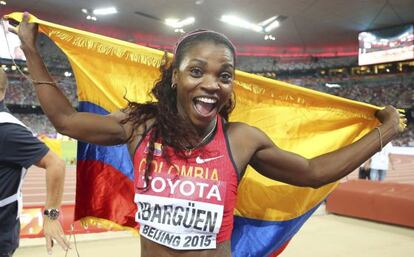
point(88, 127)
point(277, 164)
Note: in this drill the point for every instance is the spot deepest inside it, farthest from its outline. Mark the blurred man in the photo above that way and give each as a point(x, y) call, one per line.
point(19, 150)
point(380, 162)
point(365, 171)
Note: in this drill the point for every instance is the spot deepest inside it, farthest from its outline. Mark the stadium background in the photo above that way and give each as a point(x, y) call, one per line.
point(328, 66)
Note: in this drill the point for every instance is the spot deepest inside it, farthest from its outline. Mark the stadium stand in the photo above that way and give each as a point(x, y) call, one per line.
point(378, 85)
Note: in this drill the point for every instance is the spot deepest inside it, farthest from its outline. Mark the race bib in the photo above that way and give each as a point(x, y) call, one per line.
point(180, 212)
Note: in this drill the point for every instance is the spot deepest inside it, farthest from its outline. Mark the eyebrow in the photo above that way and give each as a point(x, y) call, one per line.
point(204, 63)
point(228, 65)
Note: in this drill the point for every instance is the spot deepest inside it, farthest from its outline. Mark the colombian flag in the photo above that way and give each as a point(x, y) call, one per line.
point(300, 120)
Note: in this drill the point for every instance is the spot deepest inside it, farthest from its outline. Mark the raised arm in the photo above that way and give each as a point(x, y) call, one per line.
point(277, 164)
point(98, 129)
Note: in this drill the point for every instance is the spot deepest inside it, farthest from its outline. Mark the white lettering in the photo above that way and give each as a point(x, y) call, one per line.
point(184, 187)
point(202, 186)
point(160, 189)
point(192, 188)
point(173, 185)
point(214, 192)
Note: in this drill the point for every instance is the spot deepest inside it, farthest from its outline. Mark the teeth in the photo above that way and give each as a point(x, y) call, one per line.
point(207, 100)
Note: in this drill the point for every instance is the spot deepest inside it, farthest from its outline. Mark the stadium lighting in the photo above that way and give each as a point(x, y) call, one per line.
point(178, 24)
point(332, 85)
point(3, 3)
point(90, 17)
point(187, 21)
point(262, 27)
point(272, 26)
point(105, 11)
point(267, 21)
point(367, 37)
point(85, 11)
point(236, 21)
point(179, 31)
point(171, 22)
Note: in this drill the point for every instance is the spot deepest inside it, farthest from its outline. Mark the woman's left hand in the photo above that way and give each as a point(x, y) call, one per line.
point(390, 116)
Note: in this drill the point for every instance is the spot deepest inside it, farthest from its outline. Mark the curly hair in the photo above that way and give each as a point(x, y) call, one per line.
point(169, 127)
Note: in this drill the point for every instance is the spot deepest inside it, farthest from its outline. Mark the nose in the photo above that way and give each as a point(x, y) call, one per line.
point(210, 83)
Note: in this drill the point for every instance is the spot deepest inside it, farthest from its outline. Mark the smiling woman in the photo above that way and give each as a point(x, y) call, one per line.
point(204, 78)
point(188, 158)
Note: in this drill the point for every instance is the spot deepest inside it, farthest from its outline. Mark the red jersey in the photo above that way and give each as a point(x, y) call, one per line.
point(190, 201)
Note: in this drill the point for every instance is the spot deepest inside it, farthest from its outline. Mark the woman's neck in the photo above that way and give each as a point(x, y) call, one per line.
point(207, 130)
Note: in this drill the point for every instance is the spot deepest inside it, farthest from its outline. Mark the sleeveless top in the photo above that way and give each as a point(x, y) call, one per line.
point(189, 202)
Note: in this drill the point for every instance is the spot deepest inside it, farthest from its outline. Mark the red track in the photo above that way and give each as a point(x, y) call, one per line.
point(34, 189)
point(34, 194)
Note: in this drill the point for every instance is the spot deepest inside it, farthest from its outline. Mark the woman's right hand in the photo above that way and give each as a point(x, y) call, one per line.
point(27, 32)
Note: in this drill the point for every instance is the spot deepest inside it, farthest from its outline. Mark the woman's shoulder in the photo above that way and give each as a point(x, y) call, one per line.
point(237, 126)
point(238, 129)
point(243, 131)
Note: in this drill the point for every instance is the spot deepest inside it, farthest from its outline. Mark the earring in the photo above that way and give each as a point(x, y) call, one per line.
point(173, 86)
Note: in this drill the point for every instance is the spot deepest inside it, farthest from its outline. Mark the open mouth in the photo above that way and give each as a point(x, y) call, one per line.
point(204, 105)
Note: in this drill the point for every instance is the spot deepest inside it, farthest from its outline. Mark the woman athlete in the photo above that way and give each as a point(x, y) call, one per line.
point(192, 215)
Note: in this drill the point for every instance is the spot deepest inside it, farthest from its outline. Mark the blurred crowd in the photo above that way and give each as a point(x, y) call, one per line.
point(390, 88)
point(381, 90)
point(283, 65)
point(21, 91)
point(38, 123)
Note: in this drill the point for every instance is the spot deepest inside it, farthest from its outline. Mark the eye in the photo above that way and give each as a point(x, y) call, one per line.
point(226, 77)
point(196, 72)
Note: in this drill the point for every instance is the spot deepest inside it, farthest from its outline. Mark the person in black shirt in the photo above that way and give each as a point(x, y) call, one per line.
point(19, 150)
